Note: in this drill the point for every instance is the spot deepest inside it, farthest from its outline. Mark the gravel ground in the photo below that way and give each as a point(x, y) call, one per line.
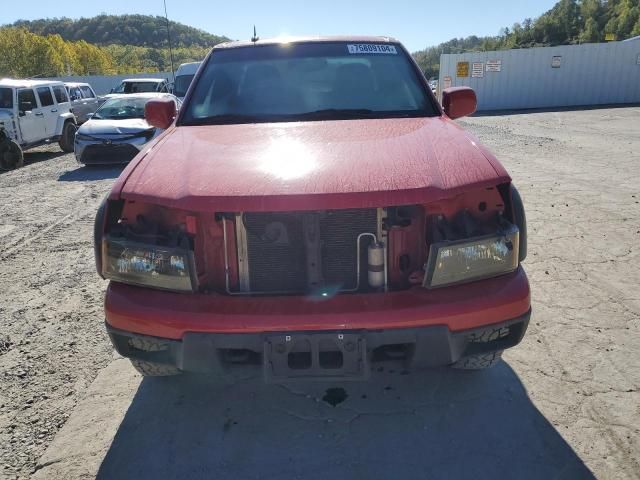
point(52, 343)
point(579, 175)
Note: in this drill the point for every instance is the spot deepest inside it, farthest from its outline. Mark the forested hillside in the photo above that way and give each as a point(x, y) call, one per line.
point(138, 43)
point(106, 44)
point(137, 30)
point(568, 22)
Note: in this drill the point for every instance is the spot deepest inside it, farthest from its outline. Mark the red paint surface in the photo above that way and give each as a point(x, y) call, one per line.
point(170, 315)
point(160, 112)
point(459, 101)
point(309, 165)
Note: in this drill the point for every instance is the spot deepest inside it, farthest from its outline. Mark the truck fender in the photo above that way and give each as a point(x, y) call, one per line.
point(62, 119)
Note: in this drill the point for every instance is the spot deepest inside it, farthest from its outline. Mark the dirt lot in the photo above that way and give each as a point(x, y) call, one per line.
point(564, 404)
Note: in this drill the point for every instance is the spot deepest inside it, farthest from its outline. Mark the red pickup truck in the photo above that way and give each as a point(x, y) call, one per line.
point(312, 210)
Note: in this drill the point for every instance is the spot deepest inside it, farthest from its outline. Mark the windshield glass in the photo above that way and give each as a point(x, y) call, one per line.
point(6, 98)
point(135, 87)
point(121, 108)
point(182, 85)
point(307, 81)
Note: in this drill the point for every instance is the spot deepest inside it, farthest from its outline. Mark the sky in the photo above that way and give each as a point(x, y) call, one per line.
point(416, 23)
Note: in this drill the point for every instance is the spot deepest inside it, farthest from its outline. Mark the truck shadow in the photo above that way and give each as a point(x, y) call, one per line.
point(439, 424)
point(93, 173)
point(37, 156)
point(41, 156)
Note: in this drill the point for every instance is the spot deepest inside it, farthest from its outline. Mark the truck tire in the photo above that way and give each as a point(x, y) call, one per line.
point(11, 155)
point(478, 362)
point(151, 369)
point(68, 137)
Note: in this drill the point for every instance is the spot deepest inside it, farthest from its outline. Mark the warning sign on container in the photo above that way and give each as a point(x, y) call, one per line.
point(447, 82)
point(477, 70)
point(494, 65)
point(462, 69)
point(556, 62)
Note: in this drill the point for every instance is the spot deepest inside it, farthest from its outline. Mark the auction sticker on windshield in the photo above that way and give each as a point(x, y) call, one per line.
point(372, 48)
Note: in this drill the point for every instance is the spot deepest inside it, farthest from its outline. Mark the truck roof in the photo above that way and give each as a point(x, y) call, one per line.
point(308, 39)
point(188, 68)
point(155, 80)
point(24, 83)
point(76, 84)
point(129, 96)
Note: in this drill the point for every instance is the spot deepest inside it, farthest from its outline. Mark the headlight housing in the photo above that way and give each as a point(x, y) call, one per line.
point(471, 259)
point(82, 137)
point(148, 265)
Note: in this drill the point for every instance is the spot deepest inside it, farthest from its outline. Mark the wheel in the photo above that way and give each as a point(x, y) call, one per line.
point(151, 369)
point(11, 155)
point(478, 362)
point(68, 137)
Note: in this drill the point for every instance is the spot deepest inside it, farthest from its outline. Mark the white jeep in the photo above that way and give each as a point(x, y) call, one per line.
point(33, 113)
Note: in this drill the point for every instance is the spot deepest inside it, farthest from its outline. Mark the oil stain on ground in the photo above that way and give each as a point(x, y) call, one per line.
point(334, 396)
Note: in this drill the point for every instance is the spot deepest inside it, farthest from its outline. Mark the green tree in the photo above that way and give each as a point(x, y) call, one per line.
point(27, 55)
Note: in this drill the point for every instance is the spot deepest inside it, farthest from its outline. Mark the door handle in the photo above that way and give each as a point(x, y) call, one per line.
point(40, 114)
point(54, 110)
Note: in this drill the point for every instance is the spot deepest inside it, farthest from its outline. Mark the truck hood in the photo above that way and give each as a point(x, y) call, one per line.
point(114, 127)
point(309, 165)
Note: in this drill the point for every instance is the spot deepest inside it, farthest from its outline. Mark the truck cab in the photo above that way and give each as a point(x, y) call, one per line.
point(184, 77)
point(84, 101)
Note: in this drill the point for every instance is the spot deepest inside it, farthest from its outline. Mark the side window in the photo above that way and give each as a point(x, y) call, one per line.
point(44, 93)
point(86, 92)
point(162, 87)
point(75, 94)
point(61, 94)
point(26, 100)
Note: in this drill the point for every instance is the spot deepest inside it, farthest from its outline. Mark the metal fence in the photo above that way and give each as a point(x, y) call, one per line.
point(570, 75)
point(103, 84)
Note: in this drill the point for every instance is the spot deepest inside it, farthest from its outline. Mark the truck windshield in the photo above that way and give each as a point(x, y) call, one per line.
point(6, 98)
point(307, 81)
point(135, 87)
point(182, 85)
point(121, 109)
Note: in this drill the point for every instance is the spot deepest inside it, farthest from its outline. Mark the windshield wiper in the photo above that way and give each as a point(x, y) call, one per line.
point(324, 114)
point(338, 113)
point(228, 118)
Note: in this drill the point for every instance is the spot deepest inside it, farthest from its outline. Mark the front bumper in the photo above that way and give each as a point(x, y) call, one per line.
point(411, 348)
point(433, 327)
point(108, 151)
point(171, 315)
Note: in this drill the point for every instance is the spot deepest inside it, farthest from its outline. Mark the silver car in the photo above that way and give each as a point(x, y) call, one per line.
point(117, 131)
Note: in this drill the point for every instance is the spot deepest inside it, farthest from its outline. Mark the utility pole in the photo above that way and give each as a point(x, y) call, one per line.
point(173, 74)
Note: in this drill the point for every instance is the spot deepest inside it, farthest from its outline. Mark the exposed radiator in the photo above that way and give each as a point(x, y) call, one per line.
point(303, 252)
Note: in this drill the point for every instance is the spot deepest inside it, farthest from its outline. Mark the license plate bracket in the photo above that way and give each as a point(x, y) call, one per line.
point(313, 356)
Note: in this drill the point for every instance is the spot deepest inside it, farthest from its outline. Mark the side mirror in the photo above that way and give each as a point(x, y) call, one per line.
point(111, 91)
point(160, 113)
point(459, 102)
